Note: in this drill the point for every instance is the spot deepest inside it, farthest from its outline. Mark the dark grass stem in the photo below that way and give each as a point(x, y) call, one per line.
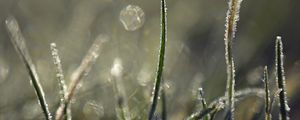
point(267, 95)
point(231, 22)
point(19, 44)
point(61, 80)
point(280, 77)
point(81, 72)
point(159, 73)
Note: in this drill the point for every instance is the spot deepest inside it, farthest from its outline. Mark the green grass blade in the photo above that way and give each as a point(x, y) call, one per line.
point(19, 44)
point(280, 77)
point(161, 60)
point(267, 96)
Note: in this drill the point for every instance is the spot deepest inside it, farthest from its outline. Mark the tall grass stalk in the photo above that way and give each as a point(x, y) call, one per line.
point(19, 44)
point(159, 73)
point(280, 77)
point(61, 80)
point(82, 71)
point(267, 95)
point(231, 23)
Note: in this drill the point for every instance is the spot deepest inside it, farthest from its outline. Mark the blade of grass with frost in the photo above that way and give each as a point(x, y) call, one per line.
point(222, 102)
point(203, 102)
point(267, 96)
point(61, 80)
point(82, 71)
point(231, 23)
point(280, 77)
point(161, 60)
point(19, 44)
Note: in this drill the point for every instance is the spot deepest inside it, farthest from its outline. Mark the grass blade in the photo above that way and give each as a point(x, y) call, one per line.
point(231, 23)
point(61, 80)
point(161, 60)
point(267, 96)
point(82, 71)
point(19, 44)
point(280, 77)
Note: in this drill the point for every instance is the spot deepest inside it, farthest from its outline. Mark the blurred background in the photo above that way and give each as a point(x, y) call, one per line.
point(194, 54)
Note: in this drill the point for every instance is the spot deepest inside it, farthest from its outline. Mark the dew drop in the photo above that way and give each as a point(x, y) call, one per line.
point(132, 17)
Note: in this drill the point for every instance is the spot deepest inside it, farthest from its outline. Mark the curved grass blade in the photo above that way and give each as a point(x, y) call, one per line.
point(280, 77)
point(222, 102)
point(19, 44)
point(231, 23)
point(161, 60)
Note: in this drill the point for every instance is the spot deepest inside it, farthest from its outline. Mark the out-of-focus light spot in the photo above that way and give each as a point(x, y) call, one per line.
point(117, 68)
point(132, 17)
point(144, 76)
point(4, 71)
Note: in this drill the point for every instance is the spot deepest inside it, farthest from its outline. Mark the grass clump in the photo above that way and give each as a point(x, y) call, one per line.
point(208, 111)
